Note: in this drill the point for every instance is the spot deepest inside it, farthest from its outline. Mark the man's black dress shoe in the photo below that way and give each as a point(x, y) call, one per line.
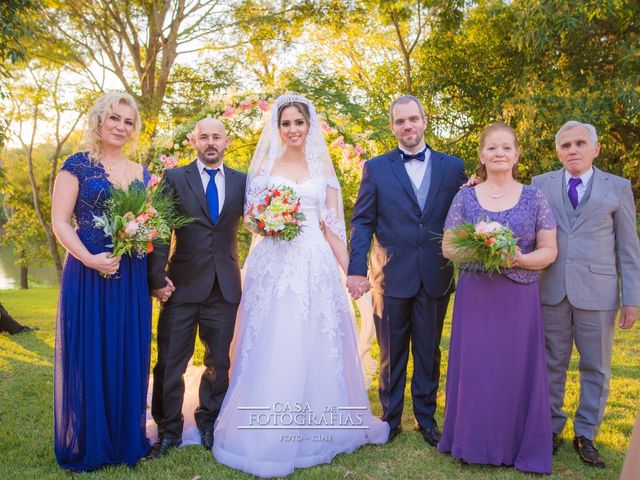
point(393, 433)
point(430, 435)
point(206, 439)
point(587, 452)
point(557, 442)
point(162, 446)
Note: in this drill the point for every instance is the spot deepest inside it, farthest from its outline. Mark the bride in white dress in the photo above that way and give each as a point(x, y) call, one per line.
point(297, 396)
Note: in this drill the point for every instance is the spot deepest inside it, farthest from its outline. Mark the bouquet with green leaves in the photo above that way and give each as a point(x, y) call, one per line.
point(276, 214)
point(488, 244)
point(138, 217)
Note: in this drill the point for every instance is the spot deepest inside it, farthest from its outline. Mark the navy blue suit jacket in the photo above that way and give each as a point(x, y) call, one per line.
point(406, 247)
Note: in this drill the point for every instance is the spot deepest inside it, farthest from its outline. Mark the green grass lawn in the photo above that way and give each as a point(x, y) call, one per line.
point(26, 422)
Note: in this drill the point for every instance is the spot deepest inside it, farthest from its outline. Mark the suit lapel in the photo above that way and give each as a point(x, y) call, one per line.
point(230, 186)
point(397, 166)
point(556, 190)
point(437, 172)
point(598, 191)
point(195, 183)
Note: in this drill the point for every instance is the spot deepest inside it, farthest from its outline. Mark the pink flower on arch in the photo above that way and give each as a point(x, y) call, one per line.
point(358, 150)
point(229, 111)
point(325, 126)
point(263, 105)
point(246, 105)
point(338, 142)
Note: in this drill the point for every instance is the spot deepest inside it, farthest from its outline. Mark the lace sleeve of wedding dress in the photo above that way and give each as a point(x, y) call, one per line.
point(256, 186)
point(332, 213)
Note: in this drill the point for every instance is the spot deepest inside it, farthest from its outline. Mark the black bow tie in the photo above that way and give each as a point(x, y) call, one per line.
point(407, 157)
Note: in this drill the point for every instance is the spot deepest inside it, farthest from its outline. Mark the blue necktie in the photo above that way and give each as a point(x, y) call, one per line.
point(212, 194)
point(407, 157)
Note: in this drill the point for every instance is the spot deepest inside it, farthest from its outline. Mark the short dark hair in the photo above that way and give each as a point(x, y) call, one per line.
point(405, 99)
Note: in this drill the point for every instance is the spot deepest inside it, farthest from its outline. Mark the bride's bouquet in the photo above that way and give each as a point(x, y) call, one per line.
point(488, 244)
point(276, 214)
point(136, 218)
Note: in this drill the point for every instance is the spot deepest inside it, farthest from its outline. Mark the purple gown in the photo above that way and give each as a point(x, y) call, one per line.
point(497, 407)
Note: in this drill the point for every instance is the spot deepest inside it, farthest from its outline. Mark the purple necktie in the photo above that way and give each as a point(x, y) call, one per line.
point(573, 192)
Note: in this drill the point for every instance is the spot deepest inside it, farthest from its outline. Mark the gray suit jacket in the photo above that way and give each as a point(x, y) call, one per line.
point(601, 247)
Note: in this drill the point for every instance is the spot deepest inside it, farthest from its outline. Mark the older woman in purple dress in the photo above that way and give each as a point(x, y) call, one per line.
point(497, 406)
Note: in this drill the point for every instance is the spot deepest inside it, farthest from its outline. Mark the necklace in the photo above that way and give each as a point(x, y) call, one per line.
point(496, 195)
point(109, 165)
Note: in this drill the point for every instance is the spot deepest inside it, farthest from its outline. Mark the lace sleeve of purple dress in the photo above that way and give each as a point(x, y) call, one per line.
point(456, 212)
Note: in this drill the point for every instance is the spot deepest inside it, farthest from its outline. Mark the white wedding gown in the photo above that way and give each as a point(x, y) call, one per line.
point(297, 396)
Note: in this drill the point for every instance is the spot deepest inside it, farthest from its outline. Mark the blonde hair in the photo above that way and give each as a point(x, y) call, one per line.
point(103, 106)
point(481, 171)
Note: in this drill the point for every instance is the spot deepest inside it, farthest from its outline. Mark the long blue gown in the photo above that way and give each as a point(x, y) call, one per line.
point(103, 335)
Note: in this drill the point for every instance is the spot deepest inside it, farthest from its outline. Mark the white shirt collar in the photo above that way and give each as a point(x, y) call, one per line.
point(585, 177)
point(202, 166)
point(425, 150)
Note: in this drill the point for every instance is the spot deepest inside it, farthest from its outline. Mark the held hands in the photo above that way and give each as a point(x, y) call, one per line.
point(357, 285)
point(165, 292)
point(104, 263)
point(628, 316)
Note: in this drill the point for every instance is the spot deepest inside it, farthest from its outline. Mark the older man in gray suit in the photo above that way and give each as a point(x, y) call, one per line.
point(597, 246)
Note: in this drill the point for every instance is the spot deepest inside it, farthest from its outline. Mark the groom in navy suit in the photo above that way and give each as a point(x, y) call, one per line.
point(402, 204)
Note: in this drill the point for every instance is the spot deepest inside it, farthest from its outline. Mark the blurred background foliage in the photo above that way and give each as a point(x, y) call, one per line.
point(531, 63)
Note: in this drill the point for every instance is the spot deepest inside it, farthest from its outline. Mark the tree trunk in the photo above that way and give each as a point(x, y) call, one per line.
point(51, 239)
point(24, 277)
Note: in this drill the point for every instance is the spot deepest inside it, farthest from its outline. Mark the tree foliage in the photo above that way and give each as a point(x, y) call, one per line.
point(535, 65)
point(16, 24)
point(531, 63)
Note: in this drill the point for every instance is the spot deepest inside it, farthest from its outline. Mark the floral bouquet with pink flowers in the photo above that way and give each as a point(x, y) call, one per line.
point(138, 218)
point(489, 244)
point(276, 214)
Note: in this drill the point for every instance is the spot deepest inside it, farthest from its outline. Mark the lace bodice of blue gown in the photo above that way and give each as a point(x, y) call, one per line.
point(296, 396)
point(103, 334)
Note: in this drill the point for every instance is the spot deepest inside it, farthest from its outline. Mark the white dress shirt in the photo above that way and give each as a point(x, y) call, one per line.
point(205, 177)
point(582, 188)
point(416, 168)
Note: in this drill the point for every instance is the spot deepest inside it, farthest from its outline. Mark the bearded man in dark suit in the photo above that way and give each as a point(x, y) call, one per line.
point(404, 198)
point(199, 285)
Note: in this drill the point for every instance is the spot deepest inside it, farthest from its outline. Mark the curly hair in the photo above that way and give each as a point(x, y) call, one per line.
point(103, 106)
